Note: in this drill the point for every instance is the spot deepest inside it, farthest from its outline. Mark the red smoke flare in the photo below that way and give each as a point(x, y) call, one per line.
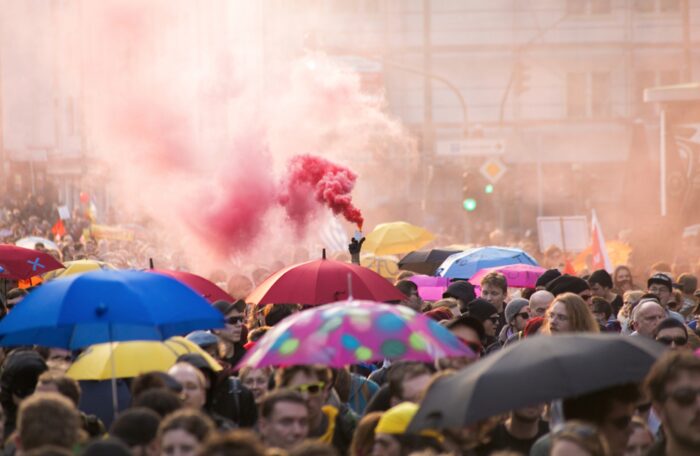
point(314, 178)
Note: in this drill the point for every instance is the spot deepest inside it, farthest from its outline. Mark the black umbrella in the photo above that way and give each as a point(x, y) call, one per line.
point(425, 261)
point(534, 371)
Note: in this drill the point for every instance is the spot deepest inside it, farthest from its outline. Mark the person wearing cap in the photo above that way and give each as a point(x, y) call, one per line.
point(207, 341)
point(570, 284)
point(517, 314)
point(234, 335)
point(662, 286)
point(602, 286)
point(462, 291)
point(545, 278)
point(391, 439)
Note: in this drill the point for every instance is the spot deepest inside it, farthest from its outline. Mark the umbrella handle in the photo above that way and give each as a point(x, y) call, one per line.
point(349, 287)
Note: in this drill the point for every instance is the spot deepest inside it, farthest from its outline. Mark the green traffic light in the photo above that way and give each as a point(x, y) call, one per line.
point(488, 188)
point(469, 204)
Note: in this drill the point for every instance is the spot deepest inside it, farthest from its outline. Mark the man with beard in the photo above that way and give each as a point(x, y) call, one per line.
point(518, 432)
point(674, 386)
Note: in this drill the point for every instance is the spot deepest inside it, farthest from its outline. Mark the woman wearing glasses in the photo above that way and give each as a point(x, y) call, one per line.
point(569, 313)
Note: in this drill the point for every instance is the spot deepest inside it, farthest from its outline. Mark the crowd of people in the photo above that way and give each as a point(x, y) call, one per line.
point(363, 409)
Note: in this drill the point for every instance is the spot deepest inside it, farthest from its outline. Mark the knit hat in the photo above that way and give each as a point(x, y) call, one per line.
point(21, 372)
point(481, 309)
point(567, 284)
point(661, 279)
point(546, 277)
point(461, 290)
point(602, 278)
point(514, 307)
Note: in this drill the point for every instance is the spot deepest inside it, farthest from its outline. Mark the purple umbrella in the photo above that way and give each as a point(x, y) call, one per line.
point(517, 275)
point(430, 288)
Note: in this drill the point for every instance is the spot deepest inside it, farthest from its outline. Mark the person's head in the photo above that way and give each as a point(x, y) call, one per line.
point(256, 380)
point(138, 428)
point(601, 283)
point(47, 419)
point(546, 277)
point(312, 382)
point(193, 384)
point(646, 316)
point(363, 438)
point(182, 433)
point(569, 313)
point(239, 286)
point(570, 284)
point(622, 278)
point(162, 401)
point(233, 317)
point(630, 299)
point(470, 332)
point(610, 409)
point(539, 303)
point(238, 442)
point(284, 418)
point(517, 314)
point(462, 291)
point(407, 381)
point(449, 303)
point(601, 309)
point(65, 386)
point(19, 375)
point(410, 291)
point(688, 283)
point(674, 386)
point(672, 333)
point(577, 438)
point(640, 440)
point(59, 360)
point(661, 285)
point(390, 437)
point(274, 313)
point(106, 447)
point(486, 313)
point(313, 448)
point(206, 340)
point(494, 289)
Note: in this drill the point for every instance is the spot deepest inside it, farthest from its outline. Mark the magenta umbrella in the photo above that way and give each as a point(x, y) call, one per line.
point(352, 332)
point(429, 287)
point(517, 275)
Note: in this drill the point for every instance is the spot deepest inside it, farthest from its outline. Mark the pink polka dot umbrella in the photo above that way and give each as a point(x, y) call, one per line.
point(353, 332)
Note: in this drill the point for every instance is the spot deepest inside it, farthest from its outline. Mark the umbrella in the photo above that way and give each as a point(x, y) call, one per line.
point(425, 261)
point(19, 263)
point(133, 358)
point(352, 332)
point(384, 265)
point(396, 237)
point(517, 275)
point(210, 291)
point(465, 264)
point(107, 306)
point(533, 371)
point(77, 267)
point(429, 287)
point(321, 282)
point(30, 241)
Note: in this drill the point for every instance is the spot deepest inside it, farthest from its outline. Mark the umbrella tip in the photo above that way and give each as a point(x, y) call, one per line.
point(323, 254)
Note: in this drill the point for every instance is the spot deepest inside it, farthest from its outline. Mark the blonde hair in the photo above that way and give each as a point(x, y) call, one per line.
point(580, 317)
point(630, 298)
point(450, 303)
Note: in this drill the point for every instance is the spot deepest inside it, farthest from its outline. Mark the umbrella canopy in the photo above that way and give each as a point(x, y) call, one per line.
point(425, 261)
point(396, 237)
point(107, 306)
point(321, 282)
point(133, 358)
point(78, 267)
point(517, 275)
point(465, 264)
point(429, 287)
point(19, 263)
point(552, 367)
point(30, 241)
point(352, 332)
point(384, 265)
point(209, 290)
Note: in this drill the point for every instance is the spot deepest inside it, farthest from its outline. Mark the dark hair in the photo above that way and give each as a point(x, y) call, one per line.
point(285, 374)
point(602, 278)
point(594, 407)
point(136, 426)
point(601, 305)
point(468, 322)
point(667, 369)
point(270, 400)
point(66, 386)
point(402, 371)
point(313, 448)
point(688, 282)
point(237, 442)
point(274, 313)
point(670, 323)
point(194, 422)
point(257, 333)
point(406, 287)
point(152, 380)
point(526, 293)
point(161, 401)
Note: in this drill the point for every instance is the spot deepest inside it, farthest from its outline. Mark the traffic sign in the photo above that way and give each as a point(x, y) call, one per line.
point(493, 169)
point(470, 147)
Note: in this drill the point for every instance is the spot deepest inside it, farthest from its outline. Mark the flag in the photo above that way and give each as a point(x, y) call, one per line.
point(569, 268)
point(599, 252)
point(58, 229)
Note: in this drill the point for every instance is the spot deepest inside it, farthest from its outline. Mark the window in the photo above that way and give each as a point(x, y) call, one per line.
point(588, 94)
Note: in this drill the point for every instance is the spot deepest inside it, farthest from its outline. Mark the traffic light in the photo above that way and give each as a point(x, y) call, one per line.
point(477, 193)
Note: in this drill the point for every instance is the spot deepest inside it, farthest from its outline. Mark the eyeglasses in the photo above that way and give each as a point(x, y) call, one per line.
point(234, 320)
point(311, 388)
point(621, 423)
point(495, 319)
point(474, 345)
point(684, 397)
point(678, 341)
point(523, 315)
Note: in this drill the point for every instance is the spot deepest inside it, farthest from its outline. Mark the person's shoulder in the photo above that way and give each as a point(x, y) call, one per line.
point(542, 446)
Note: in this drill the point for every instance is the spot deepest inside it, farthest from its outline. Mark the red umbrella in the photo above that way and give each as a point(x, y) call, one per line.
point(321, 282)
point(18, 263)
point(209, 290)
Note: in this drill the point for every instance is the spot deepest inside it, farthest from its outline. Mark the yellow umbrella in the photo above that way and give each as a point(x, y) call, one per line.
point(386, 265)
point(77, 267)
point(133, 358)
point(396, 237)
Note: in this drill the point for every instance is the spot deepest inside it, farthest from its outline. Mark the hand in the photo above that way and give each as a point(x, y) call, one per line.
point(354, 248)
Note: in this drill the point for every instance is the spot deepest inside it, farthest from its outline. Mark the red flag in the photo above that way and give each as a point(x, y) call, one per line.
point(58, 229)
point(569, 268)
point(599, 252)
